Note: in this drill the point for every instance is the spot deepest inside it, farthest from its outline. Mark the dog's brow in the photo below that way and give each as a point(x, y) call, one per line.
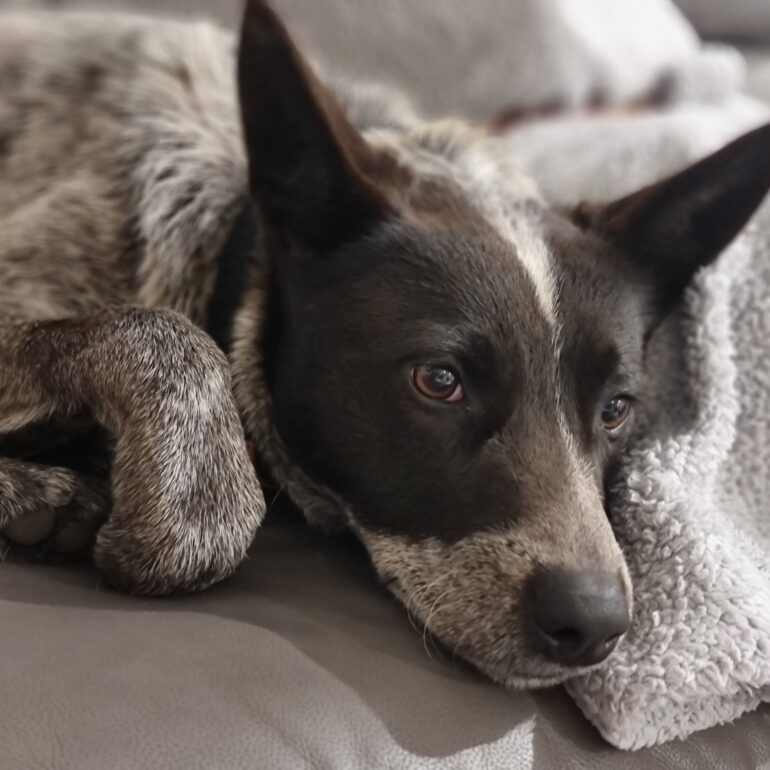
point(471, 349)
point(444, 339)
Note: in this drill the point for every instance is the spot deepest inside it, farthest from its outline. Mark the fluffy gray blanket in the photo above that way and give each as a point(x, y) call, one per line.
point(692, 510)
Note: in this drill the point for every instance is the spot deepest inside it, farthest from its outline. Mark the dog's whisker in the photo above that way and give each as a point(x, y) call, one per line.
point(274, 499)
point(434, 610)
point(413, 622)
point(411, 603)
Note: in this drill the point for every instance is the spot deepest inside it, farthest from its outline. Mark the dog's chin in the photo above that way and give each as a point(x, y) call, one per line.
point(521, 679)
point(524, 674)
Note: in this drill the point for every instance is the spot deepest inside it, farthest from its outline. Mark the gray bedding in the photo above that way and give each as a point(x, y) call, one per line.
point(300, 661)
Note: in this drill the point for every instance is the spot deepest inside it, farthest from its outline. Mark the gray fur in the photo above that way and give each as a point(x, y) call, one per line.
point(108, 131)
point(185, 502)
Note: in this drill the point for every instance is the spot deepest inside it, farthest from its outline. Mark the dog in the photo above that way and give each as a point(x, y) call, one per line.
point(202, 244)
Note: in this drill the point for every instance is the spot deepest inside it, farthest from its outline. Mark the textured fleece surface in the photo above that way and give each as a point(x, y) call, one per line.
point(692, 512)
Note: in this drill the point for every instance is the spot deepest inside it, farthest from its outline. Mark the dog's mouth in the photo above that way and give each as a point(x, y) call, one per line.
point(521, 669)
point(522, 680)
point(524, 671)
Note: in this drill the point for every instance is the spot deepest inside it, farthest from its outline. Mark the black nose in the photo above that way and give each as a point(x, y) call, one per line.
point(579, 615)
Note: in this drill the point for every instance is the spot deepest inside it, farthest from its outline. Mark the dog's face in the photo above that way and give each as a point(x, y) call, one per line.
point(464, 376)
point(468, 417)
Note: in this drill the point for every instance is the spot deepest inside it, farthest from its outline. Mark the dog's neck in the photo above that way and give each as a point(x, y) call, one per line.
point(233, 265)
point(239, 304)
point(235, 316)
point(320, 505)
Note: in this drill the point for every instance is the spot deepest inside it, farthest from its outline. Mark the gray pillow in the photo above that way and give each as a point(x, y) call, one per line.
point(741, 19)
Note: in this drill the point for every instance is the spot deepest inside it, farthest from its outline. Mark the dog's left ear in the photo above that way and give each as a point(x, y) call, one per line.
point(673, 227)
point(307, 163)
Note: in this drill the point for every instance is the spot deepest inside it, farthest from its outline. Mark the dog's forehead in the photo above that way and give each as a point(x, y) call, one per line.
point(466, 280)
point(600, 306)
point(482, 216)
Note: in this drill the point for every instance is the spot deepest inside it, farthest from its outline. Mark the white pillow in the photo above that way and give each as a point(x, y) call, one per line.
point(480, 58)
point(476, 58)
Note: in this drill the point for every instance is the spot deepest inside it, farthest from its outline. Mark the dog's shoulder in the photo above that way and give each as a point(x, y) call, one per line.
point(45, 41)
point(118, 134)
point(133, 78)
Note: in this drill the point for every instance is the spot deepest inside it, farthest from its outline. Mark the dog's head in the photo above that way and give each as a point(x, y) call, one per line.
point(460, 365)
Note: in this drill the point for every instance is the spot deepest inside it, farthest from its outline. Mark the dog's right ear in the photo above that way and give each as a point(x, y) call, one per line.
point(672, 228)
point(306, 160)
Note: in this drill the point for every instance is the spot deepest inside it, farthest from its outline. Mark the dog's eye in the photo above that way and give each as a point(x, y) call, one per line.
point(615, 413)
point(441, 383)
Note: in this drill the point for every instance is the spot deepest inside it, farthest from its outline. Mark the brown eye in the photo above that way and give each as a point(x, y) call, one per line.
point(440, 383)
point(615, 413)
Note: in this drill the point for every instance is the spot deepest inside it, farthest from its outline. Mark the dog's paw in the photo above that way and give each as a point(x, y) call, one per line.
point(60, 516)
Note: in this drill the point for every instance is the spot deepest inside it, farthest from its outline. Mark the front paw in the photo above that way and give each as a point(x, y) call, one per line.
point(186, 499)
point(61, 512)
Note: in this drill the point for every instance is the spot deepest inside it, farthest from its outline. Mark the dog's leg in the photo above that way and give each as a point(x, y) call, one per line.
point(185, 499)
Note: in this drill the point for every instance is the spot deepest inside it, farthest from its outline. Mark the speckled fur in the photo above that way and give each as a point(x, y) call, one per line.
point(184, 500)
point(121, 171)
point(121, 167)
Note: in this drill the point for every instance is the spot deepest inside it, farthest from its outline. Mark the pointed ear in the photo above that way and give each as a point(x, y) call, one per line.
point(672, 228)
point(305, 158)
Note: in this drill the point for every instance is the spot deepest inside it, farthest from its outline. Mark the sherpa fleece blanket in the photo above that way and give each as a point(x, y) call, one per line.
point(692, 509)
